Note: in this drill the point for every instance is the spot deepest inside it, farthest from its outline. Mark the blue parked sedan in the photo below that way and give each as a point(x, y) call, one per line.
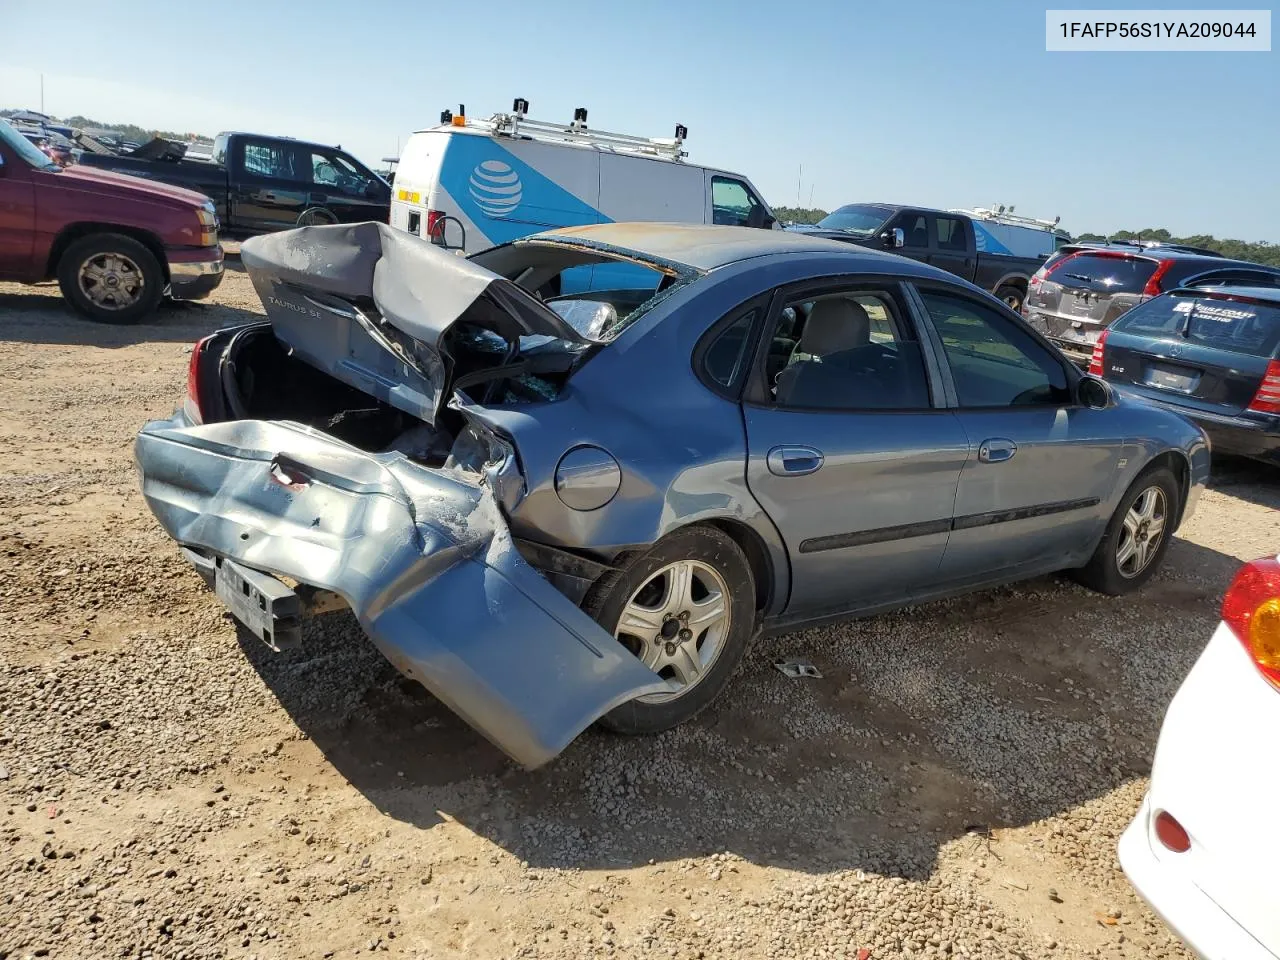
point(555, 510)
point(1210, 353)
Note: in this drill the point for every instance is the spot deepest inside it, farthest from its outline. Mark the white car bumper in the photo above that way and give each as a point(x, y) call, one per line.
point(1204, 926)
point(1215, 772)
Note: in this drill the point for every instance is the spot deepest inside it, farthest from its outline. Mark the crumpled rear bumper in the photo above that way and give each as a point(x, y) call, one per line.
point(422, 557)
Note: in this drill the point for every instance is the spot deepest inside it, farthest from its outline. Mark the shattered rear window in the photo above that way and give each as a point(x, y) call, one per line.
point(599, 290)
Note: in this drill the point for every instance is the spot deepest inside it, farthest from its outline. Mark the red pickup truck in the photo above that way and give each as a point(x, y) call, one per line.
point(116, 244)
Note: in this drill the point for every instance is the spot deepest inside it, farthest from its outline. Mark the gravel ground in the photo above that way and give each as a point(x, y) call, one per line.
point(954, 786)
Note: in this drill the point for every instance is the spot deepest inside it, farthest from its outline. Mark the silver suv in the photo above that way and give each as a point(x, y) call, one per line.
point(1085, 287)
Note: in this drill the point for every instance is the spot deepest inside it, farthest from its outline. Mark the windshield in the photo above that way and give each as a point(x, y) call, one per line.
point(861, 219)
point(1238, 325)
point(25, 149)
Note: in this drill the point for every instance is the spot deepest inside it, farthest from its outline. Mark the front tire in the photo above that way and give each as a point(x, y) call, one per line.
point(1137, 536)
point(316, 217)
point(110, 278)
point(686, 608)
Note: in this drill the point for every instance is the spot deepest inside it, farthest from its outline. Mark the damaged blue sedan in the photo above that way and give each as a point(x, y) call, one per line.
point(569, 479)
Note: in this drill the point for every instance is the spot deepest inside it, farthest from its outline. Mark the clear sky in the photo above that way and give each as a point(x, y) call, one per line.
point(949, 104)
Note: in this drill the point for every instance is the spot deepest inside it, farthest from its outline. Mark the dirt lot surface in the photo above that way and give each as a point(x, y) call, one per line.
point(955, 785)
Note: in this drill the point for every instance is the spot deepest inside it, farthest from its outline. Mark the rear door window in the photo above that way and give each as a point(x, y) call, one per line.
point(951, 235)
point(273, 161)
point(854, 353)
point(1240, 326)
point(1106, 273)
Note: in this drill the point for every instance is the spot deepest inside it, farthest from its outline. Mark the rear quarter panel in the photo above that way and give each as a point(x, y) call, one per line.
point(681, 447)
point(1151, 433)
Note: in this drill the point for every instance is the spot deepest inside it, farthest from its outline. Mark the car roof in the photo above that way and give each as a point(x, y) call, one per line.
point(1270, 295)
point(1171, 251)
point(275, 136)
point(704, 247)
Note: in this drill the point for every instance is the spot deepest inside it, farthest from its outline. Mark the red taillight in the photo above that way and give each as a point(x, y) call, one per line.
point(435, 220)
point(192, 404)
point(1251, 608)
point(1152, 289)
point(1267, 399)
point(1054, 265)
point(1099, 349)
point(1171, 833)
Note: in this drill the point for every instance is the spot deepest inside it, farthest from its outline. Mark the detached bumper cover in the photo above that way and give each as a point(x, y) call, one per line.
point(422, 557)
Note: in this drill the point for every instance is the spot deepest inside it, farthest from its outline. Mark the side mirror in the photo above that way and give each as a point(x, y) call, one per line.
point(1094, 393)
point(372, 189)
point(895, 238)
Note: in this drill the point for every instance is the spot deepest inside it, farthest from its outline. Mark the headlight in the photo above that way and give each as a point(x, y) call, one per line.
point(208, 216)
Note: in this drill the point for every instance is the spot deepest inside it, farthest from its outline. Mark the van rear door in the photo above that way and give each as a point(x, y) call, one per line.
point(416, 176)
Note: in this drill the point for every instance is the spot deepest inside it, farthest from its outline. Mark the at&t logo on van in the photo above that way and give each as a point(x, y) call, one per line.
point(495, 187)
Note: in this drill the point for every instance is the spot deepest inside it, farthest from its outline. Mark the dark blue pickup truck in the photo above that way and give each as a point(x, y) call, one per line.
point(944, 238)
point(260, 184)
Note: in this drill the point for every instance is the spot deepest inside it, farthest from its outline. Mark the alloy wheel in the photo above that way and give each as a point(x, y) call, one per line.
point(1141, 532)
point(676, 623)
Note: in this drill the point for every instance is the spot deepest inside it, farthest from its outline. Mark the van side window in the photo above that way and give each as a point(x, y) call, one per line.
point(733, 203)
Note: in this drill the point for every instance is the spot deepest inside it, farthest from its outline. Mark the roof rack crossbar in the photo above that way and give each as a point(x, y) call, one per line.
point(517, 125)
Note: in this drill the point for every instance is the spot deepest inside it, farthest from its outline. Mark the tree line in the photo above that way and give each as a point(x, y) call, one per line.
point(128, 131)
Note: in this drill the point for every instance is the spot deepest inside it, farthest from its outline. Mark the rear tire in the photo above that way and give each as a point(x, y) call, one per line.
point(1129, 553)
point(710, 655)
point(1012, 296)
point(110, 278)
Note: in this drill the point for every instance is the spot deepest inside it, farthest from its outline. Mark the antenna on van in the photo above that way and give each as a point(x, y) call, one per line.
point(579, 119)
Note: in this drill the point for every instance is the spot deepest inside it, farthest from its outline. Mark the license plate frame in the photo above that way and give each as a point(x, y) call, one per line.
point(265, 606)
point(1170, 378)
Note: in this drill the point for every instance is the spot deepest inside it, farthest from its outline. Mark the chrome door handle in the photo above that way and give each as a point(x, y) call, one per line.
point(793, 461)
point(997, 450)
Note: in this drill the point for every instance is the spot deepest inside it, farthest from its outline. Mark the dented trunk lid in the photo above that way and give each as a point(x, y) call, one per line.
point(371, 307)
point(421, 555)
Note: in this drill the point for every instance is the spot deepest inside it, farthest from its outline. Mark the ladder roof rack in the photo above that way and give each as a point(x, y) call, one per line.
point(516, 124)
point(1001, 214)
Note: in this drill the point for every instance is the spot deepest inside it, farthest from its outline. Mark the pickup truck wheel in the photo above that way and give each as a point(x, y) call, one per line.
point(1012, 296)
point(316, 217)
point(1137, 536)
point(110, 278)
point(686, 607)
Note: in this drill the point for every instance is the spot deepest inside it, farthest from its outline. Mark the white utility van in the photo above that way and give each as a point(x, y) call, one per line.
point(999, 230)
point(473, 184)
